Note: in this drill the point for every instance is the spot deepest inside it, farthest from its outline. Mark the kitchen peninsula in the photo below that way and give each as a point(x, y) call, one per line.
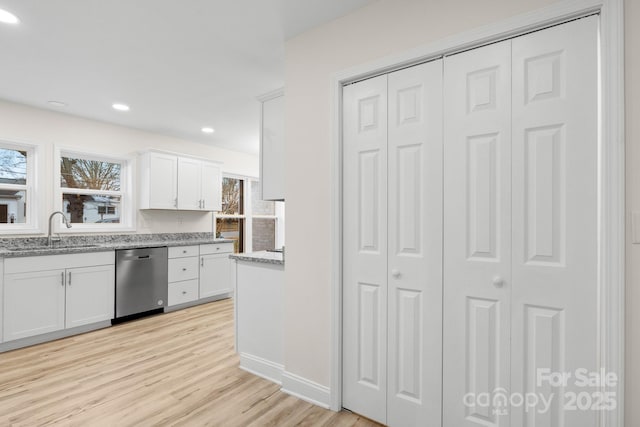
point(259, 283)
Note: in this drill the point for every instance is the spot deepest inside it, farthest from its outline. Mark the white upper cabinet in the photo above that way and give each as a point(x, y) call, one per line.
point(272, 146)
point(170, 181)
point(189, 184)
point(159, 175)
point(211, 188)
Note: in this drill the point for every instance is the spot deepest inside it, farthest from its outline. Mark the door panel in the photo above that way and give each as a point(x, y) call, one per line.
point(365, 248)
point(555, 182)
point(477, 247)
point(415, 246)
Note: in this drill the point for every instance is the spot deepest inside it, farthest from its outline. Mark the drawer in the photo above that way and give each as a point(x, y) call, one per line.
point(183, 251)
point(183, 269)
point(216, 248)
point(181, 292)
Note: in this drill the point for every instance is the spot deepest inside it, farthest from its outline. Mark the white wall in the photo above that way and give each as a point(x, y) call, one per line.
point(383, 28)
point(46, 129)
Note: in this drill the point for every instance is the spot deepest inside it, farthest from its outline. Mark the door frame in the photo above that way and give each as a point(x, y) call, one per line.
point(611, 183)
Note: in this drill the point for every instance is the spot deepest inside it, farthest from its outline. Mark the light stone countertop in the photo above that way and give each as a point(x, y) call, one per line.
point(21, 247)
point(260, 257)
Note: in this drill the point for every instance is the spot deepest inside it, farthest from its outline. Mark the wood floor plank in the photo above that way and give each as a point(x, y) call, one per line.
point(175, 369)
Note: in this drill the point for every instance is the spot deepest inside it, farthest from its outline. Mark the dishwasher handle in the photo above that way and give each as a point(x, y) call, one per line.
point(144, 256)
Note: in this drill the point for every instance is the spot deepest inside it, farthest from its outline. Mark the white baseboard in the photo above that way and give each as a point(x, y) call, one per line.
point(261, 367)
point(306, 390)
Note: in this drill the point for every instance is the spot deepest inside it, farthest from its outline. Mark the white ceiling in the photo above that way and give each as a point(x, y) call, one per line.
point(179, 64)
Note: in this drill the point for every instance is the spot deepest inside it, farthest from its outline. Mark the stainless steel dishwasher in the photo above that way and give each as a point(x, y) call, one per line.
point(141, 280)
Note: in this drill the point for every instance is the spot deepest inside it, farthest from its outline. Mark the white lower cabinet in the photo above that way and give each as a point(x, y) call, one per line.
point(183, 274)
point(199, 272)
point(53, 299)
point(183, 292)
point(34, 303)
point(215, 269)
point(90, 295)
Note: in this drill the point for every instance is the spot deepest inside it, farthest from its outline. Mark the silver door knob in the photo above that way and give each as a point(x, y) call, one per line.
point(395, 273)
point(498, 281)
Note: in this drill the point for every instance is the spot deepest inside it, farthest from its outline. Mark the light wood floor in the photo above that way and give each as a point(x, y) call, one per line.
point(173, 369)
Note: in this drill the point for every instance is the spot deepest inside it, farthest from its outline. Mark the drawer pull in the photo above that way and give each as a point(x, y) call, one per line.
point(184, 252)
point(184, 292)
point(184, 269)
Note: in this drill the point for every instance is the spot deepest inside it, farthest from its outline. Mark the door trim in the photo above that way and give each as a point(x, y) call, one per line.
point(611, 206)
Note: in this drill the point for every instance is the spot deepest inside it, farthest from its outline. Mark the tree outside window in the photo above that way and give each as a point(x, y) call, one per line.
point(230, 220)
point(91, 190)
point(13, 185)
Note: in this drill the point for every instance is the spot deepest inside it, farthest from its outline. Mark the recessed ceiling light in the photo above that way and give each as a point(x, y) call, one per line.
point(8, 17)
point(57, 104)
point(208, 130)
point(120, 107)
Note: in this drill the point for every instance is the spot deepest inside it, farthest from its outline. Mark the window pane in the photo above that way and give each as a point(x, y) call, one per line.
point(264, 234)
point(89, 174)
point(259, 206)
point(13, 207)
point(91, 209)
point(13, 166)
point(231, 228)
point(232, 197)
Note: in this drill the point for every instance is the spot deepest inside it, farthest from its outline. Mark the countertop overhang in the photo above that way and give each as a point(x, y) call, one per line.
point(264, 257)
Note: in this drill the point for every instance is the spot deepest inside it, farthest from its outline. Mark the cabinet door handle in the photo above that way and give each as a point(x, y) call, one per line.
point(184, 292)
point(184, 268)
point(204, 205)
point(62, 279)
point(69, 278)
point(202, 262)
point(175, 202)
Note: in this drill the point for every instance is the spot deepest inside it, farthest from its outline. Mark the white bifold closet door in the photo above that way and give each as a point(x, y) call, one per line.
point(392, 247)
point(520, 246)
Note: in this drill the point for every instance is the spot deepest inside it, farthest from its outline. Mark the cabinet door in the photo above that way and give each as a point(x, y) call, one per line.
point(272, 149)
point(162, 181)
point(189, 184)
point(33, 303)
point(215, 275)
point(211, 187)
point(90, 295)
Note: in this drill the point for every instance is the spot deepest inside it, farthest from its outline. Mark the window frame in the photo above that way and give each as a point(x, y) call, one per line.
point(245, 230)
point(30, 188)
point(126, 192)
point(247, 216)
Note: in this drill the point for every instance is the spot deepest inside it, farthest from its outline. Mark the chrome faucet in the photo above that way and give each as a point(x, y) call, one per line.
point(66, 222)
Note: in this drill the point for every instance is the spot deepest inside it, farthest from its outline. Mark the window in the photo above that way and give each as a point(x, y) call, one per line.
point(253, 224)
point(231, 220)
point(94, 192)
point(263, 221)
point(16, 187)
